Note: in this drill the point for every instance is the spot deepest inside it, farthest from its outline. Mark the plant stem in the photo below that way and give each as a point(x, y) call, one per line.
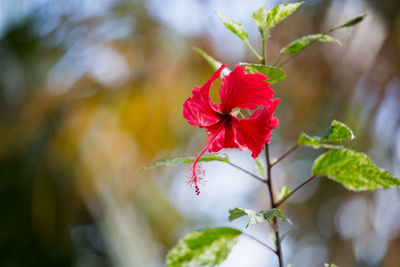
point(253, 51)
point(289, 59)
point(264, 46)
point(277, 59)
point(260, 242)
point(249, 173)
point(271, 196)
point(263, 51)
point(285, 154)
point(294, 190)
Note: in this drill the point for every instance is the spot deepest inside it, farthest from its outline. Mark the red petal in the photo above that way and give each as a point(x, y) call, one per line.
point(223, 137)
point(200, 110)
point(246, 91)
point(255, 132)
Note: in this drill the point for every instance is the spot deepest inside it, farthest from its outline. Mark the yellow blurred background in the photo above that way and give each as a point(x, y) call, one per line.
point(91, 91)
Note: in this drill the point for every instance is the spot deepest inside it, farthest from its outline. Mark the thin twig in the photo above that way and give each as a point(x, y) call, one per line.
point(260, 242)
point(289, 59)
point(271, 196)
point(277, 59)
point(285, 154)
point(249, 173)
point(294, 190)
point(253, 50)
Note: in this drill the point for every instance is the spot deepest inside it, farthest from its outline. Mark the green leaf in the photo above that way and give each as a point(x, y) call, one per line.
point(238, 29)
point(186, 160)
point(274, 74)
point(350, 23)
point(234, 27)
point(215, 64)
point(209, 247)
point(354, 170)
point(260, 167)
point(236, 213)
point(280, 12)
point(257, 217)
point(337, 132)
point(330, 265)
point(260, 19)
point(305, 41)
point(282, 193)
point(260, 217)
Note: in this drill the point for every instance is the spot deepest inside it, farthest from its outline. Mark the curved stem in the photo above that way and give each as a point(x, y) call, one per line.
point(294, 190)
point(271, 196)
point(277, 59)
point(260, 242)
point(285, 154)
point(249, 173)
point(253, 50)
point(289, 59)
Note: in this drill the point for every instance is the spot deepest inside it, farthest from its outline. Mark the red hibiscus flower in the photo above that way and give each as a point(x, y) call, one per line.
point(225, 130)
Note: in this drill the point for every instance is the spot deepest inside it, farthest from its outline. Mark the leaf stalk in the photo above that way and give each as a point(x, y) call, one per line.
point(309, 179)
point(260, 242)
point(285, 155)
point(255, 176)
